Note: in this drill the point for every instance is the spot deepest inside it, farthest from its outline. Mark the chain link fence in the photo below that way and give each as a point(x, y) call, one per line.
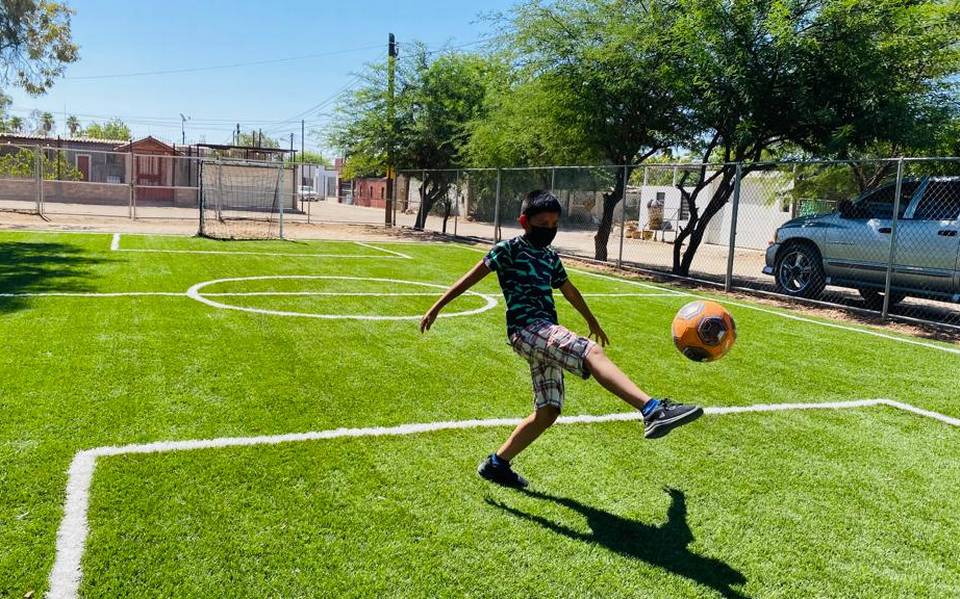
point(880, 237)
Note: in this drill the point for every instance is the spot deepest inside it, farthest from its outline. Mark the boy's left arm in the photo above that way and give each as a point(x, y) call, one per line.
point(573, 296)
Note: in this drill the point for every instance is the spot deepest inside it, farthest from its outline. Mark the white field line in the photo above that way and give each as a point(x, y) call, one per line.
point(74, 527)
point(96, 294)
point(380, 249)
point(115, 247)
point(245, 253)
point(832, 325)
point(195, 293)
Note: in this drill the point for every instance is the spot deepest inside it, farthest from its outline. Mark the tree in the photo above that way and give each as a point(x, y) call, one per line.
point(35, 43)
point(73, 126)
point(594, 84)
point(112, 129)
point(45, 124)
point(22, 165)
point(15, 124)
point(311, 157)
point(831, 77)
point(257, 139)
point(435, 100)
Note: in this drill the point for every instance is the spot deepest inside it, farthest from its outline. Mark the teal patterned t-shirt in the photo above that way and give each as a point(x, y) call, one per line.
point(528, 275)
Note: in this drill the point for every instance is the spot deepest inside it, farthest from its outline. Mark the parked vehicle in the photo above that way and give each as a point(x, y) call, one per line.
point(851, 247)
point(308, 194)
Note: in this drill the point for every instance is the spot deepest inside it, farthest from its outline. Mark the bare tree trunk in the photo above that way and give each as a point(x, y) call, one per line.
point(446, 216)
point(696, 227)
point(610, 201)
point(430, 192)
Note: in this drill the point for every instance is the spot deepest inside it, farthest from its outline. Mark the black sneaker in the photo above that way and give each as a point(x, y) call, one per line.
point(500, 473)
point(668, 416)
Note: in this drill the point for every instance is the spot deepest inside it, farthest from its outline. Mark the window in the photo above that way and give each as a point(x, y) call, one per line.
point(879, 203)
point(684, 206)
point(941, 201)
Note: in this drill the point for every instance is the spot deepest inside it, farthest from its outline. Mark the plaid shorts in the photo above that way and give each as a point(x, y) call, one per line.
point(550, 349)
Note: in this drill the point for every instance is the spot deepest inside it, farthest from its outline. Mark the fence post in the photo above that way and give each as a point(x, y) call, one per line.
point(132, 191)
point(279, 196)
point(728, 280)
point(200, 199)
point(496, 211)
point(38, 164)
point(893, 241)
point(643, 188)
point(133, 185)
point(396, 183)
point(623, 214)
point(553, 181)
point(456, 215)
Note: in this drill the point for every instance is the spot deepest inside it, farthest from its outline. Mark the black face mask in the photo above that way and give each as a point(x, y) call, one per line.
point(541, 236)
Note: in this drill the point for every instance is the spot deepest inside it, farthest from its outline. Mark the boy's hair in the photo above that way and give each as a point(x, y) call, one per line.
point(538, 201)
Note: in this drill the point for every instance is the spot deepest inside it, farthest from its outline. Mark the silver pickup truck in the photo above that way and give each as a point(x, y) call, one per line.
point(851, 247)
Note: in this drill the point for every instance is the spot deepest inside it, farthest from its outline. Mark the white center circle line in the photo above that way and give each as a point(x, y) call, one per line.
point(195, 293)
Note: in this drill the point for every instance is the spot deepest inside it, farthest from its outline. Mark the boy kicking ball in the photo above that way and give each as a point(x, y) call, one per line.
point(528, 271)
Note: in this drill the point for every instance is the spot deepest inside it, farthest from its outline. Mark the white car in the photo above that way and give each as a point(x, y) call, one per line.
point(308, 194)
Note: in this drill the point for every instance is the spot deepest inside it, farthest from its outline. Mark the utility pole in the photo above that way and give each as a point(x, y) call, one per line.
point(391, 131)
point(183, 130)
point(303, 137)
point(236, 136)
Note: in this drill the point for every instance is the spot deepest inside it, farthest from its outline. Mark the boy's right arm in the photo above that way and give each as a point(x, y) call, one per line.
point(473, 276)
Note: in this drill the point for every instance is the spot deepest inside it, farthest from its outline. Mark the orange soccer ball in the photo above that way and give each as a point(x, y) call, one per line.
point(704, 331)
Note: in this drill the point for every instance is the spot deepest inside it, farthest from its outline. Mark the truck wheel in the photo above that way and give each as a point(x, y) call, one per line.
point(798, 271)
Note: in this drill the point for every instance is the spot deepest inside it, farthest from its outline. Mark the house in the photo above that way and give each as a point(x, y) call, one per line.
point(162, 174)
point(370, 192)
point(318, 179)
point(93, 159)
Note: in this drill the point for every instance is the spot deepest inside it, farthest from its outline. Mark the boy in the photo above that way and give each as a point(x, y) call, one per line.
point(528, 271)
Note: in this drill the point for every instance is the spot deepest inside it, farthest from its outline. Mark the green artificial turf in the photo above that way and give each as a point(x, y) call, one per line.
point(850, 503)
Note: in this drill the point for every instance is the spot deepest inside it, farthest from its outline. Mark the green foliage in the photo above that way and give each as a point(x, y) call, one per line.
point(435, 99)
point(73, 126)
point(112, 129)
point(14, 124)
point(309, 157)
point(592, 81)
point(35, 43)
point(256, 139)
point(23, 164)
point(45, 123)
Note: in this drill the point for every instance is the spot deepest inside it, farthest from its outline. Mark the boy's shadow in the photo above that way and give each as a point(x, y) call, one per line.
point(664, 546)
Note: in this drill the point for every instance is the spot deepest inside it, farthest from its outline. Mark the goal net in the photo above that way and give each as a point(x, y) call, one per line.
point(242, 199)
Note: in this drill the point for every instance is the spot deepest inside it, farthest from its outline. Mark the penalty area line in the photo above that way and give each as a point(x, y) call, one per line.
point(72, 534)
point(380, 249)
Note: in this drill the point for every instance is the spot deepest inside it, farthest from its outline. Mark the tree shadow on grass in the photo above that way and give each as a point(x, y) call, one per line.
point(30, 267)
point(664, 546)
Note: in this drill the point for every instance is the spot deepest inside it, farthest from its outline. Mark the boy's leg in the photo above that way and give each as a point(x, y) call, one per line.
point(660, 416)
point(613, 379)
point(548, 402)
point(528, 431)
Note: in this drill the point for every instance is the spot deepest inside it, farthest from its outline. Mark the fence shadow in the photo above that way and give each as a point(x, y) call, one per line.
point(34, 267)
point(663, 546)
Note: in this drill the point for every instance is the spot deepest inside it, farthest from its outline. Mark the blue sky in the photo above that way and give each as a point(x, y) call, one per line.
point(133, 37)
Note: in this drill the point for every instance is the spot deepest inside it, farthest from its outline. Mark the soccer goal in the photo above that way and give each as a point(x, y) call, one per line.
point(242, 199)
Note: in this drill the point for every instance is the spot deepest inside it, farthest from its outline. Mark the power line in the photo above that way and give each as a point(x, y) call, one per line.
point(222, 66)
point(331, 98)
